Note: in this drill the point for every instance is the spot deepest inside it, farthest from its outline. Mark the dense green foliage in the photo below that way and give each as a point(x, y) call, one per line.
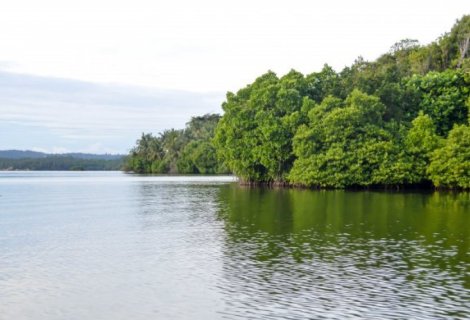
point(450, 165)
point(59, 163)
point(399, 120)
point(187, 151)
point(254, 136)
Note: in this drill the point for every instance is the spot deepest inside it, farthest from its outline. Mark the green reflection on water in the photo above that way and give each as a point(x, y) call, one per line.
point(414, 230)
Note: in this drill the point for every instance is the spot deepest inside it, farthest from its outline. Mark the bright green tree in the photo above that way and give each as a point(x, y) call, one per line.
point(442, 96)
point(450, 164)
point(344, 144)
point(420, 142)
point(254, 137)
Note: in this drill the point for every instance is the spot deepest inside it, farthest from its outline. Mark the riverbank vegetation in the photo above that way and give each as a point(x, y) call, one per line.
point(185, 151)
point(400, 120)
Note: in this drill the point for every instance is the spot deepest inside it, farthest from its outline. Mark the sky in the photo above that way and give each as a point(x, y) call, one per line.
point(91, 75)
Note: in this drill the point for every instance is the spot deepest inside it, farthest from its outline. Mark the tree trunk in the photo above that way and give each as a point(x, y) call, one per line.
point(463, 48)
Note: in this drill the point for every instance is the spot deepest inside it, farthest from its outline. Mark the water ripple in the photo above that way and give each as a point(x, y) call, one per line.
point(112, 246)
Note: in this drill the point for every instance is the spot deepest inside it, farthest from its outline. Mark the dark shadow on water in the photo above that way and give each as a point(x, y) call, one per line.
point(341, 250)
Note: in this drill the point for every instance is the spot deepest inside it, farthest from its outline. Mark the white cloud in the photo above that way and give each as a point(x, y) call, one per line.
point(90, 116)
point(207, 45)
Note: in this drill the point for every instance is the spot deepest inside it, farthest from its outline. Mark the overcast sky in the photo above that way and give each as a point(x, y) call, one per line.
point(91, 75)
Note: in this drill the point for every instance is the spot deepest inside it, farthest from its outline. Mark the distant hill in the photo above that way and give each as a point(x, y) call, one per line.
point(32, 160)
point(27, 154)
point(19, 154)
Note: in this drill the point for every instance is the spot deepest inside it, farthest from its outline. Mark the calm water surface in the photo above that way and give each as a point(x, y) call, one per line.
point(105, 245)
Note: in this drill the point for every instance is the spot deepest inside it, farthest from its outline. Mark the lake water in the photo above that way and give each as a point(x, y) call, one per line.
point(106, 245)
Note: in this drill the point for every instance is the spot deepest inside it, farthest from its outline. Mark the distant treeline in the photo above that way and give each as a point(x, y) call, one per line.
point(28, 154)
point(398, 121)
point(60, 163)
point(185, 151)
